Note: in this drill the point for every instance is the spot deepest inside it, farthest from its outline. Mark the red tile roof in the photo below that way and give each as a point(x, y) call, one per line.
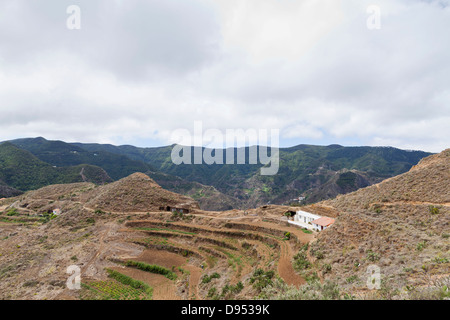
point(324, 221)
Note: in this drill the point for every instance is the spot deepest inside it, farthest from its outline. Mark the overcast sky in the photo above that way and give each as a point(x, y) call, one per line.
point(138, 70)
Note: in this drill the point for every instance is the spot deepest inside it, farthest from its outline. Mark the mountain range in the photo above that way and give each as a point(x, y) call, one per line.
point(313, 173)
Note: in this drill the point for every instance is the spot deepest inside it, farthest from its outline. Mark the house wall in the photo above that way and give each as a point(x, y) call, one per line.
point(305, 217)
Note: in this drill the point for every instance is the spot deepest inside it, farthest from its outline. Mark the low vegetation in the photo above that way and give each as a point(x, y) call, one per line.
point(126, 280)
point(152, 268)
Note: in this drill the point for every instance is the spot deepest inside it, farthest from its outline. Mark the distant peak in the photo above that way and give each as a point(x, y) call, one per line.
point(139, 176)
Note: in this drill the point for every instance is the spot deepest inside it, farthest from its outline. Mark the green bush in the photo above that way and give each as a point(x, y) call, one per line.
point(261, 279)
point(207, 279)
point(373, 256)
point(212, 293)
point(326, 268)
point(152, 268)
point(351, 279)
point(12, 212)
point(301, 261)
point(421, 245)
point(433, 210)
point(136, 284)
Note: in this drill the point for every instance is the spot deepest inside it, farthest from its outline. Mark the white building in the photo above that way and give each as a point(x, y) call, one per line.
point(305, 217)
point(322, 223)
point(311, 221)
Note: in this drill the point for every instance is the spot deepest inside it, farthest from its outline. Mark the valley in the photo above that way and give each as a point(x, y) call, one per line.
point(133, 239)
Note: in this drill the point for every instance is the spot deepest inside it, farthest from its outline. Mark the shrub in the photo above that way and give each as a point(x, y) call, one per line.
point(301, 261)
point(12, 212)
point(246, 245)
point(373, 256)
point(440, 260)
point(313, 290)
point(229, 289)
point(212, 293)
point(326, 268)
point(433, 209)
point(130, 281)
point(421, 245)
point(207, 279)
point(261, 279)
point(152, 268)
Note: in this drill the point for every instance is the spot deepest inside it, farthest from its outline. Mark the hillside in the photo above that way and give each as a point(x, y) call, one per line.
point(21, 170)
point(208, 197)
point(304, 170)
point(6, 191)
point(61, 154)
point(342, 182)
point(401, 225)
point(121, 233)
point(137, 192)
point(312, 172)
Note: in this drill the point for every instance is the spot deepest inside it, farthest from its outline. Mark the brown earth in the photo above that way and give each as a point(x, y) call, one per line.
point(101, 225)
point(401, 224)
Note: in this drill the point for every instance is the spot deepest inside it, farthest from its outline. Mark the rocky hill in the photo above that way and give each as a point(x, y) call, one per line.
point(137, 192)
point(401, 225)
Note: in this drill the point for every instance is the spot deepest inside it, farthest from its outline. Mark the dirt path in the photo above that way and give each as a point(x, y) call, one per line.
point(194, 280)
point(285, 268)
point(82, 175)
point(418, 203)
point(100, 249)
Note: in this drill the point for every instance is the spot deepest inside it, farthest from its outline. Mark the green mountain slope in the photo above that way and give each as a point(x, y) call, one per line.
point(304, 170)
point(313, 172)
point(21, 170)
point(62, 154)
point(7, 192)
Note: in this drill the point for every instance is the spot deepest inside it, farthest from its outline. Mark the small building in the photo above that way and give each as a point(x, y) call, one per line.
point(322, 223)
point(311, 221)
point(57, 212)
point(174, 209)
point(305, 217)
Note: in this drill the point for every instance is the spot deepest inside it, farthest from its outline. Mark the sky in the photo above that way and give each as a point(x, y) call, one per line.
point(349, 72)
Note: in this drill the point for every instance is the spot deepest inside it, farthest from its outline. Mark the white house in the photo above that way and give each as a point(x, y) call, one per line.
point(311, 221)
point(322, 223)
point(305, 217)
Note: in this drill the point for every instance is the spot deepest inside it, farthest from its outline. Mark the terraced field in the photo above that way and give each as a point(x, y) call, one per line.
point(196, 247)
point(132, 253)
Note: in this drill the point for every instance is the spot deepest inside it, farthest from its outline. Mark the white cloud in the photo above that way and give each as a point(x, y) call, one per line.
point(138, 70)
